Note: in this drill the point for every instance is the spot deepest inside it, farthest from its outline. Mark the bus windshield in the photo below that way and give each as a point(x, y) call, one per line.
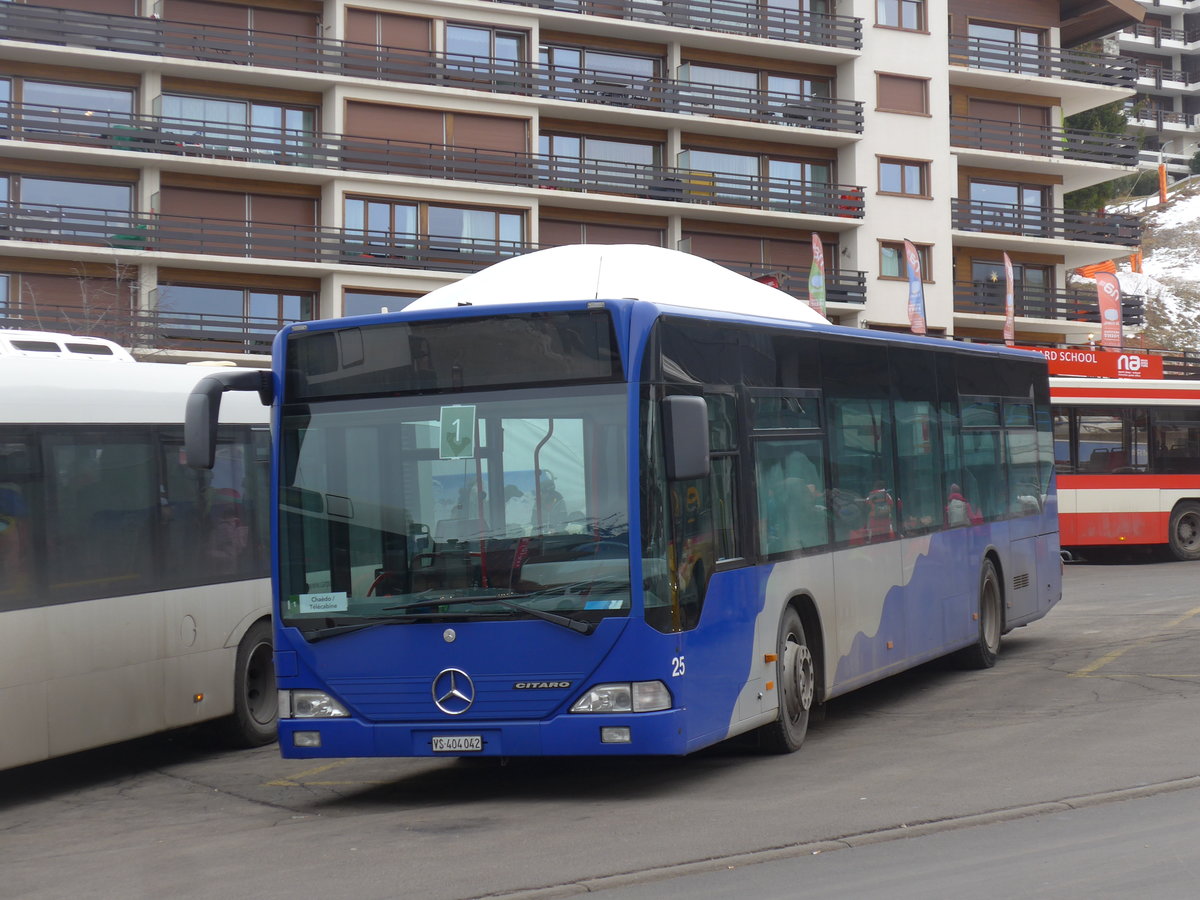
point(500, 504)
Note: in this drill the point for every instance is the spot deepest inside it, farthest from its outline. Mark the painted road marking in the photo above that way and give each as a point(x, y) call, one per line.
point(295, 780)
point(1097, 664)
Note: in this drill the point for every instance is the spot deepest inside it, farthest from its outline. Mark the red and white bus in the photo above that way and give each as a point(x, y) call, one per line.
point(1127, 453)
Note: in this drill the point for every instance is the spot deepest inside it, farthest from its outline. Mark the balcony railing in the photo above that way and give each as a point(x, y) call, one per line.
point(1043, 140)
point(1158, 34)
point(1158, 75)
point(1056, 224)
point(725, 16)
point(1160, 117)
point(988, 299)
point(79, 127)
point(845, 286)
point(129, 34)
point(1042, 62)
point(223, 237)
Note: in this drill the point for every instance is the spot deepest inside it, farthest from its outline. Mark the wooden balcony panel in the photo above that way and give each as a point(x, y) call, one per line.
point(1056, 224)
point(725, 16)
point(129, 34)
point(1035, 140)
point(1043, 62)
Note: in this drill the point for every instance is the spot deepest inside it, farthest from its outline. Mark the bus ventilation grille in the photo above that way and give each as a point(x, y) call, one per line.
point(1021, 581)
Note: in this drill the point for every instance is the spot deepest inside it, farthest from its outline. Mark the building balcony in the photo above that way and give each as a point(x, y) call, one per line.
point(848, 286)
point(127, 34)
point(1070, 306)
point(130, 235)
point(1157, 36)
point(77, 127)
point(137, 233)
point(981, 217)
point(1043, 140)
point(1076, 80)
point(723, 16)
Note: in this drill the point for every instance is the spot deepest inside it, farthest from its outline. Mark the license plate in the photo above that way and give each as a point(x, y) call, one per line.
point(459, 743)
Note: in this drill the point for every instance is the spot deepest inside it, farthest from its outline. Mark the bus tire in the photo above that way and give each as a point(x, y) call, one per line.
point(255, 701)
point(1184, 534)
point(982, 654)
point(796, 683)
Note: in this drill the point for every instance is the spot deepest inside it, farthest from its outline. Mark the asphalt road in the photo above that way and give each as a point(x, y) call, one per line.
point(1096, 704)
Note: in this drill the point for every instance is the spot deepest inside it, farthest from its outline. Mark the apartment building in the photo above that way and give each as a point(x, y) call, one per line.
point(187, 175)
point(1165, 113)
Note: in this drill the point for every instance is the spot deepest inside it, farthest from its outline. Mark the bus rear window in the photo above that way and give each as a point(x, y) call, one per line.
point(453, 354)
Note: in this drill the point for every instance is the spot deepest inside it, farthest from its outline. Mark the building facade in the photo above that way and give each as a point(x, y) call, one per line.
point(188, 175)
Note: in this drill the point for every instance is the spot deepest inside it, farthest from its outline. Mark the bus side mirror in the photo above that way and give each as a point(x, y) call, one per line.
point(204, 406)
point(685, 432)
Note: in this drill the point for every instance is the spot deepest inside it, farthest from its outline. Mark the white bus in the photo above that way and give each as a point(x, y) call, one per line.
point(1127, 453)
point(133, 590)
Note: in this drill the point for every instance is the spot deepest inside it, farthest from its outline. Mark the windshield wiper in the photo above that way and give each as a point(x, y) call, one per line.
point(321, 634)
point(554, 618)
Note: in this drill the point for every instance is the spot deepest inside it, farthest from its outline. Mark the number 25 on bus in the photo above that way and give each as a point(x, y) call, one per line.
point(519, 517)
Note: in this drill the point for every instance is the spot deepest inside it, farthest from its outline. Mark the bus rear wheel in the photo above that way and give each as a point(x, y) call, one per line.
point(1184, 535)
point(255, 700)
point(982, 654)
point(796, 684)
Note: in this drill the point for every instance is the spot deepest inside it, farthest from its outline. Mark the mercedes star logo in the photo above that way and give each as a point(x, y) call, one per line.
point(453, 691)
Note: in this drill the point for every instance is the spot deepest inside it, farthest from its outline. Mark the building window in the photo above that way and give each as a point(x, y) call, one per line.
point(907, 177)
point(1011, 208)
point(1032, 288)
point(906, 14)
point(892, 265)
point(391, 227)
point(245, 316)
point(1006, 48)
point(76, 97)
point(757, 179)
point(902, 94)
point(569, 157)
point(573, 60)
point(275, 124)
point(475, 44)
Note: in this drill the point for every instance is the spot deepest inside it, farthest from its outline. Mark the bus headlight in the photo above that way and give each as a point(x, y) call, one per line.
point(638, 696)
point(309, 705)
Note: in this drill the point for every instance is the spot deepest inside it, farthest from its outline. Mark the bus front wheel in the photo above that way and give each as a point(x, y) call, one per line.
point(796, 683)
point(982, 654)
point(1184, 536)
point(255, 701)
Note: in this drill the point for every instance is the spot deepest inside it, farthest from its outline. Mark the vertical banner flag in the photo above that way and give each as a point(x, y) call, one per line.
point(1010, 316)
point(816, 276)
point(916, 291)
point(1108, 290)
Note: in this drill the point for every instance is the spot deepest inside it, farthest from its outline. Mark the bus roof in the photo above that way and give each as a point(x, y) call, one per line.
point(37, 391)
point(615, 272)
point(53, 345)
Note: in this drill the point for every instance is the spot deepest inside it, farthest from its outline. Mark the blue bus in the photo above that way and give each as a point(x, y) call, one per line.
point(510, 525)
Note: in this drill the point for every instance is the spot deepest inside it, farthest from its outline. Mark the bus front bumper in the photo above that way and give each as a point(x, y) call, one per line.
point(658, 733)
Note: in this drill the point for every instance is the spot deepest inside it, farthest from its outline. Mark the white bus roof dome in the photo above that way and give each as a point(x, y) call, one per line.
point(619, 271)
point(52, 345)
